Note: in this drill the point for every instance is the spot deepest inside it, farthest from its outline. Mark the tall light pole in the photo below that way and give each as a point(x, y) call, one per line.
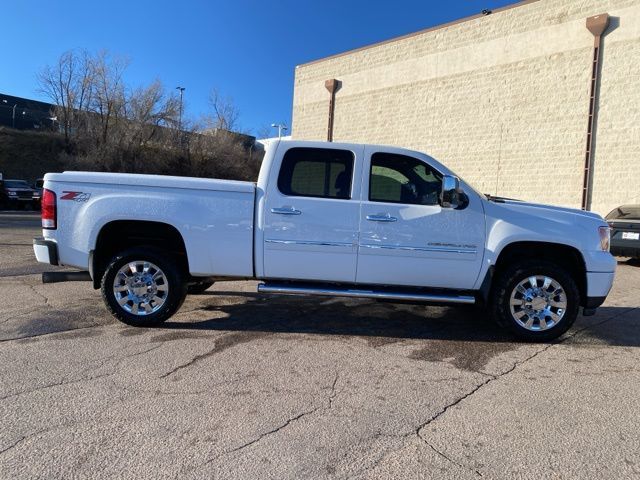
point(13, 112)
point(182, 89)
point(281, 128)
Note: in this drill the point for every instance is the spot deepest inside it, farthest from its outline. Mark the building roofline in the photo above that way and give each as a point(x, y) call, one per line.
point(419, 32)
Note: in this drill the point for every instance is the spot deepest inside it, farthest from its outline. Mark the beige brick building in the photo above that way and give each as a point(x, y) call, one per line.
point(503, 99)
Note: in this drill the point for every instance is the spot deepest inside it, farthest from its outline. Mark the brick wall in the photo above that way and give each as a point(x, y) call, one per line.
point(502, 99)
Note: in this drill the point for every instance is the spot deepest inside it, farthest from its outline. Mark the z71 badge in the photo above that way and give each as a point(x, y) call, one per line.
point(75, 196)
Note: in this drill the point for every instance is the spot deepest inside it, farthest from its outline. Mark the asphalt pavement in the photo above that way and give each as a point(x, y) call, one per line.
point(244, 386)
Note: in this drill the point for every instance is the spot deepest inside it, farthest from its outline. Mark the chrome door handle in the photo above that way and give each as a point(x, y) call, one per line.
point(381, 218)
point(286, 211)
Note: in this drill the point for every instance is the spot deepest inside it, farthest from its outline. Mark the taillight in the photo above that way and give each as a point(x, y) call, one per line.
point(48, 209)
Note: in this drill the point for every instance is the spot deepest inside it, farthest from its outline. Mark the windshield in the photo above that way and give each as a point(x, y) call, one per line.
point(626, 212)
point(16, 184)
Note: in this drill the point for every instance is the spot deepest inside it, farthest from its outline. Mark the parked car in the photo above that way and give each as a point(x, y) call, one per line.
point(18, 194)
point(331, 219)
point(625, 230)
point(37, 187)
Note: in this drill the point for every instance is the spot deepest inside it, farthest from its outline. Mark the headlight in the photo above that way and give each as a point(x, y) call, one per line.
point(12, 194)
point(605, 238)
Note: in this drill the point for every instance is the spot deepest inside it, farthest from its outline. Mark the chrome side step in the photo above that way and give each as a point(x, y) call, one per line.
point(293, 289)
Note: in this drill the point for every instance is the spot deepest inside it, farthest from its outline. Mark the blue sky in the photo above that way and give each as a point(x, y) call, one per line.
point(247, 49)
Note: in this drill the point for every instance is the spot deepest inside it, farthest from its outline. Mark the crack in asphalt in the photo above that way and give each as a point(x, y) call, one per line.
point(22, 439)
point(120, 358)
point(478, 387)
point(33, 289)
point(449, 459)
point(384, 454)
point(270, 432)
point(496, 377)
point(81, 380)
point(291, 420)
point(418, 430)
point(49, 333)
point(56, 384)
point(333, 393)
point(222, 343)
point(15, 444)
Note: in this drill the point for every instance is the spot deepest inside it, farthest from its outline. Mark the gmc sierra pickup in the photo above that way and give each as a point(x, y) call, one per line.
point(329, 219)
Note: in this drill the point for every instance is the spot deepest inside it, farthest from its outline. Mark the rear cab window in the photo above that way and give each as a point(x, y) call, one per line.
point(316, 172)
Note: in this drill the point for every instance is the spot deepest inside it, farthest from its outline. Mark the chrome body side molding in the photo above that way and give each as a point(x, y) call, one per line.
point(311, 242)
point(468, 251)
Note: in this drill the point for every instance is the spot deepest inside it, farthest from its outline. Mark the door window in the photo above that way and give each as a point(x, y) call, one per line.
point(400, 179)
point(316, 172)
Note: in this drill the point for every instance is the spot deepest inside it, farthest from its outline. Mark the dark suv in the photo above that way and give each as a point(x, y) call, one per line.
point(625, 231)
point(17, 194)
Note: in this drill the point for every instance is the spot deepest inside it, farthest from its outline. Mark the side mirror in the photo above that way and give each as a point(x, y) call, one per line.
point(450, 195)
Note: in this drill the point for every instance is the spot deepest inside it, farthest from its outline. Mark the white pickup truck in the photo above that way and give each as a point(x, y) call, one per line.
point(329, 219)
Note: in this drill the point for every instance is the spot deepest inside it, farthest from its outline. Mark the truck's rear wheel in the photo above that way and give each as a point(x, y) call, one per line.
point(536, 300)
point(143, 286)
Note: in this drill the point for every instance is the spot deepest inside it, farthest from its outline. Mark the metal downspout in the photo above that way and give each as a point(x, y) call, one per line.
point(597, 26)
point(332, 86)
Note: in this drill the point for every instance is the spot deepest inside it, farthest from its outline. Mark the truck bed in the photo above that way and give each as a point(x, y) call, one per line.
point(138, 180)
point(214, 217)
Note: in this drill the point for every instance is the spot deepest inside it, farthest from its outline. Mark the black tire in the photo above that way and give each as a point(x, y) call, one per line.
point(177, 287)
point(507, 281)
point(199, 288)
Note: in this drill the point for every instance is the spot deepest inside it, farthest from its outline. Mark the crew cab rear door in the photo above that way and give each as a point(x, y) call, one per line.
point(311, 213)
point(406, 237)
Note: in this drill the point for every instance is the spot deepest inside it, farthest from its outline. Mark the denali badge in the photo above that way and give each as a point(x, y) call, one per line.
point(75, 196)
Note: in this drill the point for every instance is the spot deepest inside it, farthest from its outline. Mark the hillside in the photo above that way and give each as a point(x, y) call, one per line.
point(28, 155)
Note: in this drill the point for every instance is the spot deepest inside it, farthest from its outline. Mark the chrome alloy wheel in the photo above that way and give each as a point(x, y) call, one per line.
point(140, 288)
point(538, 303)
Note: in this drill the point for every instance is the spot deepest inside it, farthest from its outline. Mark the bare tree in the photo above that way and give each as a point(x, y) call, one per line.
point(111, 127)
point(148, 109)
point(225, 112)
point(109, 99)
point(69, 85)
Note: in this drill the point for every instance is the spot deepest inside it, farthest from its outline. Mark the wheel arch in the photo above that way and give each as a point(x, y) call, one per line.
point(563, 255)
point(118, 235)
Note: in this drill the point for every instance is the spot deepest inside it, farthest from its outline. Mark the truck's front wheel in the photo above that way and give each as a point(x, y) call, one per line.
point(143, 286)
point(536, 300)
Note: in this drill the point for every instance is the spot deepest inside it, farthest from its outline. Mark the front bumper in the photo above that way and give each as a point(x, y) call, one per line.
point(599, 283)
point(598, 287)
point(46, 251)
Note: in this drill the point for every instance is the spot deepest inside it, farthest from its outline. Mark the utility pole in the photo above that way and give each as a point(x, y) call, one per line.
point(281, 128)
point(182, 89)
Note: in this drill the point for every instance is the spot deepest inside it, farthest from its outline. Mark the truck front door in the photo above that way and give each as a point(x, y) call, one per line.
point(406, 237)
point(311, 214)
